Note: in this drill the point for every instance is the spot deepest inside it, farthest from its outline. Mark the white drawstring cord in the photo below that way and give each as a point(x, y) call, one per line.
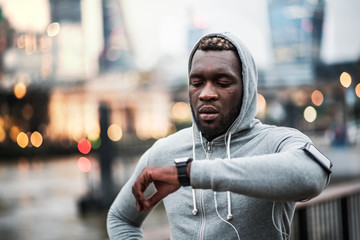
point(229, 216)
point(222, 219)
point(195, 211)
point(277, 228)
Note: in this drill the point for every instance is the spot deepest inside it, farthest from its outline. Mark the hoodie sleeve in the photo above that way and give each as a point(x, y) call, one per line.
point(286, 175)
point(123, 220)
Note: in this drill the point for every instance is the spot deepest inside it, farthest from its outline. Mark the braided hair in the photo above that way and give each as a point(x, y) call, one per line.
point(215, 43)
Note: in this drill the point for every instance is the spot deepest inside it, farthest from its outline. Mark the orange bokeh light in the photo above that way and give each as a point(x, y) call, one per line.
point(261, 103)
point(114, 132)
point(22, 139)
point(345, 79)
point(20, 90)
point(36, 139)
point(317, 98)
point(357, 90)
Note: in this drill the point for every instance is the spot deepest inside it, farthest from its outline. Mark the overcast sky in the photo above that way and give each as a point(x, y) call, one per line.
point(159, 27)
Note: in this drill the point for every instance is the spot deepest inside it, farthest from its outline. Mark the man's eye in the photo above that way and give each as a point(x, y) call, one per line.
point(224, 84)
point(196, 83)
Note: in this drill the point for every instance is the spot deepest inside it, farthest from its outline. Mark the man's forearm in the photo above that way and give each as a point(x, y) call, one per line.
point(286, 176)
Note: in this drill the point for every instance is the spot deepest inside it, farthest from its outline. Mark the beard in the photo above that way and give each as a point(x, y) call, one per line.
point(210, 133)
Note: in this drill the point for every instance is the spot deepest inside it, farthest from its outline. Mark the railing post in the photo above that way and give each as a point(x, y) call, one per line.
point(303, 228)
point(345, 218)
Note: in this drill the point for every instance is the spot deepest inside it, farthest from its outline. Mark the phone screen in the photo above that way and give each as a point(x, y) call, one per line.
point(318, 156)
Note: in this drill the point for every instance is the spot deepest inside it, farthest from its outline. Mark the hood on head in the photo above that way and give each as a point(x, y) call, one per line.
point(246, 118)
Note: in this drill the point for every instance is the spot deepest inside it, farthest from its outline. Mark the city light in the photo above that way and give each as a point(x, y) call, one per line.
point(181, 111)
point(2, 134)
point(36, 139)
point(357, 90)
point(22, 140)
point(201, 22)
point(114, 132)
point(310, 114)
point(20, 90)
point(95, 140)
point(345, 79)
point(53, 29)
point(261, 104)
point(84, 146)
point(317, 97)
point(14, 132)
point(84, 164)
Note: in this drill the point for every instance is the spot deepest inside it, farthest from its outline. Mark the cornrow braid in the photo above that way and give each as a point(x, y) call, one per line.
point(215, 43)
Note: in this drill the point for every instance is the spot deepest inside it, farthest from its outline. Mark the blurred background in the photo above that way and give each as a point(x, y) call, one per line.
point(86, 86)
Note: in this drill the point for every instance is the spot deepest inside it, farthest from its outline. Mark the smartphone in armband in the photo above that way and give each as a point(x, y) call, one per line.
point(316, 155)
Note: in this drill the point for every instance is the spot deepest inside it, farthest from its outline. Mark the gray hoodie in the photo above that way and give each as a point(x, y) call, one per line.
point(244, 183)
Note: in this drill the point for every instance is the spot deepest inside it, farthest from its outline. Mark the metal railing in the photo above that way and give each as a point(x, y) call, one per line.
point(333, 215)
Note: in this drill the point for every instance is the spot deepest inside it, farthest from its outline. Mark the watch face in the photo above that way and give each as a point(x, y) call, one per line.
point(180, 160)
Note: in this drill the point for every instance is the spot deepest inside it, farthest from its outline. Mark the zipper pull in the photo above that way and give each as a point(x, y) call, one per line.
point(208, 147)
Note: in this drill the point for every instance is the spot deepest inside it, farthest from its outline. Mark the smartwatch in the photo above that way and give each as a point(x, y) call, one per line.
point(181, 164)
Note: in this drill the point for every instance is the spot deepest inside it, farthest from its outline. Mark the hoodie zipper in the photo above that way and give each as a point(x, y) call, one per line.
point(203, 217)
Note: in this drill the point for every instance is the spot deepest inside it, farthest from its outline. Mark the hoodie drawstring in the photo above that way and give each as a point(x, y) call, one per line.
point(229, 216)
point(227, 143)
point(195, 211)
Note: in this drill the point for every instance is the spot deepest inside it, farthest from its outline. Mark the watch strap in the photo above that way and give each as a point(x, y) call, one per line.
point(181, 165)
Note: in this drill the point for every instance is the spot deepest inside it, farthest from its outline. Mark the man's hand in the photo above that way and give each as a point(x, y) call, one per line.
point(165, 179)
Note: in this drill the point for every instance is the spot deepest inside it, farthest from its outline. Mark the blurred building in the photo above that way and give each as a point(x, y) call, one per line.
point(54, 82)
point(138, 107)
point(300, 89)
point(296, 30)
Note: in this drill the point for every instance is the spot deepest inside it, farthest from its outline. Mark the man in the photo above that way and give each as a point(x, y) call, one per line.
point(234, 178)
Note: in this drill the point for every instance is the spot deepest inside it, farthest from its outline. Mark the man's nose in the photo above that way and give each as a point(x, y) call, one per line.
point(208, 92)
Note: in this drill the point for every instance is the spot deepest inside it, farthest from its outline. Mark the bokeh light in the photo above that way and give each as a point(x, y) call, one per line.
point(201, 22)
point(310, 114)
point(317, 97)
point(114, 132)
point(22, 139)
point(95, 140)
point(181, 111)
point(2, 134)
point(84, 164)
point(36, 139)
point(84, 146)
point(357, 90)
point(14, 132)
point(345, 79)
point(261, 104)
point(20, 90)
point(53, 29)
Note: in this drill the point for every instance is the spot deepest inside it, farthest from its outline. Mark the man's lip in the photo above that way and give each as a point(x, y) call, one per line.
point(208, 116)
point(208, 109)
point(208, 113)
